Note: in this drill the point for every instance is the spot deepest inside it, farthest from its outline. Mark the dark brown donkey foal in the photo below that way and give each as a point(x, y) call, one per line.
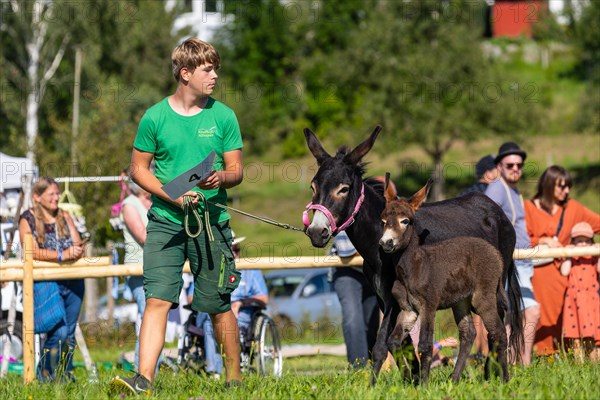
point(462, 273)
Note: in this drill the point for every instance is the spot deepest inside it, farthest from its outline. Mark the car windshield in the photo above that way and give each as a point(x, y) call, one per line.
point(283, 285)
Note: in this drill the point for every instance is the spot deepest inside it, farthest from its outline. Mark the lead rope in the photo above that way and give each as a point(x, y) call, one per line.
point(188, 205)
point(263, 219)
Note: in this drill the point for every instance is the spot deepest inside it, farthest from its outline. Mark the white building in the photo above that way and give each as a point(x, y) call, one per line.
point(204, 17)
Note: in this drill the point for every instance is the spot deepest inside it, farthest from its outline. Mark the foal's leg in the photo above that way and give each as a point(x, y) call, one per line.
point(406, 317)
point(425, 342)
point(400, 344)
point(466, 334)
point(404, 324)
point(492, 311)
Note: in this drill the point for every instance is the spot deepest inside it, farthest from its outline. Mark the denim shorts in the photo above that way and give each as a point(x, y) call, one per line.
point(167, 248)
point(525, 273)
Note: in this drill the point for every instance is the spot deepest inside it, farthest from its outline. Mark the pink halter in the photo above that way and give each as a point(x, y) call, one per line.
point(334, 228)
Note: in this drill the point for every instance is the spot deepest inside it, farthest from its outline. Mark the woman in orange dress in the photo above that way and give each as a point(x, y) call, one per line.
point(550, 216)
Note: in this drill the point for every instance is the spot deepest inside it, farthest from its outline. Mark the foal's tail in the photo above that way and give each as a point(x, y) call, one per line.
point(515, 317)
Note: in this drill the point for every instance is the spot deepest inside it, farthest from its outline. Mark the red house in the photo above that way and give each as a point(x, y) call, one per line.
point(514, 18)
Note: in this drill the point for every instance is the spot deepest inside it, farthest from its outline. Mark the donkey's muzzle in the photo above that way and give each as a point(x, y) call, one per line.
point(319, 236)
point(387, 245)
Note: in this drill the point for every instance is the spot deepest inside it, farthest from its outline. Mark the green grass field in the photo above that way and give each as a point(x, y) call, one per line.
point(321, 377)
point(325, 377)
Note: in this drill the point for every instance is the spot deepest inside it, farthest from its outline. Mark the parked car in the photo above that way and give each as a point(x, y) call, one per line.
point(302, 295)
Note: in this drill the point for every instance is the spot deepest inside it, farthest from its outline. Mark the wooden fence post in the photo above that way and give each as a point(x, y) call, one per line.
point(28, 328)
point(110, 300)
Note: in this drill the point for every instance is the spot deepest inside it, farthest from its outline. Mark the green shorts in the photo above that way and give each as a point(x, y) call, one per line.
point(167, 248)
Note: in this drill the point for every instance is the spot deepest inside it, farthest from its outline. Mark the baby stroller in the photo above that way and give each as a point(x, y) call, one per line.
point(260, 345)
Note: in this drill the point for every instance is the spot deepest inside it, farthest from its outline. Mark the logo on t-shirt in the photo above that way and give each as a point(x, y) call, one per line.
point(207, 132)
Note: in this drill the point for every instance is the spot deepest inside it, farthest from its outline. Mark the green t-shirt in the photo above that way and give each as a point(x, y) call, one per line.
point(179, 143)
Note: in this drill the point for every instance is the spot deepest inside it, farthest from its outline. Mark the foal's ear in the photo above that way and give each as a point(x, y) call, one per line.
point(389, 192)
point(418, 198)
point(359, 151)
point(315, 146)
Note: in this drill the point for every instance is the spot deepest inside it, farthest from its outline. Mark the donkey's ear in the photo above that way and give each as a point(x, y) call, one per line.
point(390, 193)
point(418, 198)
point(359, 151)
point(315, 146)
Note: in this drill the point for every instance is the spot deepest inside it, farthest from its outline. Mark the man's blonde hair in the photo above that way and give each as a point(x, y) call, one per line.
point(191, 54)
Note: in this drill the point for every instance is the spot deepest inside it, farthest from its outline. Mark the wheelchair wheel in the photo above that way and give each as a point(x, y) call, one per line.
point(190, 344)
point(267, 347)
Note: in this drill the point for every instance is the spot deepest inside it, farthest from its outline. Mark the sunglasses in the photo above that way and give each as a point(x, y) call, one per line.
point(582, 241)
point(577, 241)
point(562, 187)
point(512, 165)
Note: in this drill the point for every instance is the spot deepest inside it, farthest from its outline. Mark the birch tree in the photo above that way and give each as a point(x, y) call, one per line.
point(37, 37)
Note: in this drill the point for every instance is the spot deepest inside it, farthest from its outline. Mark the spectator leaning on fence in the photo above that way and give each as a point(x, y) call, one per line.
point(55, 239)
point(503, 191)
point(550, 217)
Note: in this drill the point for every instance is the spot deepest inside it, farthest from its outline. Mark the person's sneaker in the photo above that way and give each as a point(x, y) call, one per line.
point(137, 384)
point(214, 375)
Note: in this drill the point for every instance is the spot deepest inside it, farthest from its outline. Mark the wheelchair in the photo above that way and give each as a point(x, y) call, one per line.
point(260, 344)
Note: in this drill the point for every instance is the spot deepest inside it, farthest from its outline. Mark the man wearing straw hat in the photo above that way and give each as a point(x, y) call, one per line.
point(510, 161)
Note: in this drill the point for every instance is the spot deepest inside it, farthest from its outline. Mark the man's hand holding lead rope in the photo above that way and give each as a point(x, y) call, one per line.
point(213, 181)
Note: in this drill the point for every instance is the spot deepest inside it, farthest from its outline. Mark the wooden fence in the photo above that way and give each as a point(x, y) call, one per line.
point(29, 271)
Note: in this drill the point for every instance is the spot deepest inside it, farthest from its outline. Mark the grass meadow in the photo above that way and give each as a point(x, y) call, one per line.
point(321, 376)
point(325, 377)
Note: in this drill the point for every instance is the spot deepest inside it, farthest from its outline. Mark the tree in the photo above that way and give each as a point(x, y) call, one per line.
point(329, 31)
point(126, 69)
point(418, 68)
point(272, 56)
point(259, 51)
point(587, 42)
point(33, 32)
